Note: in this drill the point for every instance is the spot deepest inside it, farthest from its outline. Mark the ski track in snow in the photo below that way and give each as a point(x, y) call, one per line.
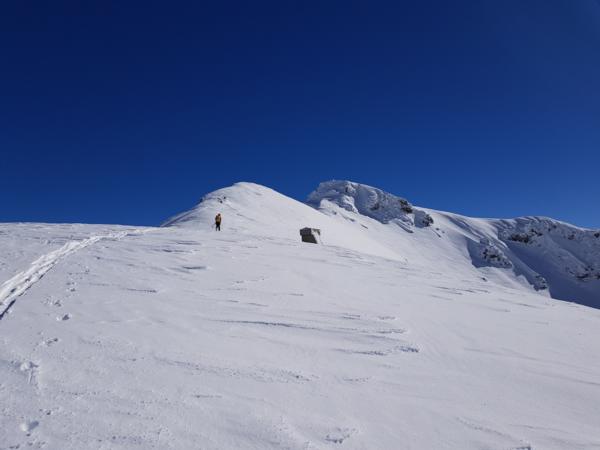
point(13, 288)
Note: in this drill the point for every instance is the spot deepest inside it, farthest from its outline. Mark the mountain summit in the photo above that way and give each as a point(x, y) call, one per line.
point(533, 253)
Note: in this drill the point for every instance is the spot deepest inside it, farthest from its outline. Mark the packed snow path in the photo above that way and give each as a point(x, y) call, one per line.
point(20, 283)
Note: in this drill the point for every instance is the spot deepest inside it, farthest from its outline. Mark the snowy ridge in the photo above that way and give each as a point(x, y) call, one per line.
point(535, 253)
point(253, 209)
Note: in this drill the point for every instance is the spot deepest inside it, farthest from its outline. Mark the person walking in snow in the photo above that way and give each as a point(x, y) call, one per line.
point(218, 222)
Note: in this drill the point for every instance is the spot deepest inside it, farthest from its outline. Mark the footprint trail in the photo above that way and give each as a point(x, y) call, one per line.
point(13, 288)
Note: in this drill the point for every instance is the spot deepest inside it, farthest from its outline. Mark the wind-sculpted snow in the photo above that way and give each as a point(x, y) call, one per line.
point(185, 337)
point(371, 202)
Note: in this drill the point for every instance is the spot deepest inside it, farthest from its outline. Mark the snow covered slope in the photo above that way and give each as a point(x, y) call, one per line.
point(249, 208)
point(537, 252)
point(386, 336)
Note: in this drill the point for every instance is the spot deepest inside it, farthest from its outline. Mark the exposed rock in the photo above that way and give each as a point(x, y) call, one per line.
point(405, 205)
point(311, 235)
point(525, 237)
point(571, 250)
point(371, 202)
point(540, 283)
point(423, 219)
point(493, 255)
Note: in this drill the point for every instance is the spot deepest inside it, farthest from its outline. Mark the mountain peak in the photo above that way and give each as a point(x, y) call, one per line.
point(549, 256)
point(369, 201)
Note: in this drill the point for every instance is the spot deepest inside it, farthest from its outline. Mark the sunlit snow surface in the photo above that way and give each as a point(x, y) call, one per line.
point(184, 337)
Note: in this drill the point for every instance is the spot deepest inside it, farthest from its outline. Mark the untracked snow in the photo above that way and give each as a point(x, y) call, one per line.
point(392, 334)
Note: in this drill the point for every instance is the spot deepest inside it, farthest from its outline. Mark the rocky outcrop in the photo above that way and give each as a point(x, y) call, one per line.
point(493, 255)
point(371, 202)
point(545, 242)
point(423, 219)
point(540, 283)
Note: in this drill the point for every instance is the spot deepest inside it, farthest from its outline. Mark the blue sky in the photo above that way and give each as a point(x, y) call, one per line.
point(125, 112)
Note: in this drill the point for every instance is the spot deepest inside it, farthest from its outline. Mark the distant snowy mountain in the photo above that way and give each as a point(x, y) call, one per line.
point(408, 328)
point(534, 253)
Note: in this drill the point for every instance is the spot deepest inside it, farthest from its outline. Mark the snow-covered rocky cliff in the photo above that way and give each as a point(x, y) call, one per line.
point(544, 253)
point(371, 202)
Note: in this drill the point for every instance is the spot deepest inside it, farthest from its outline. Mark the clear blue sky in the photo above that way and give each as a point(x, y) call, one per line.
point(125, 112)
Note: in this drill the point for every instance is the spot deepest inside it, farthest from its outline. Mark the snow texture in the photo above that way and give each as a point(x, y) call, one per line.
point(388, 335)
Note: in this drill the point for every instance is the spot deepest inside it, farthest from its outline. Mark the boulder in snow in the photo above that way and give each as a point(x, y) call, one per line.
point(311, 235)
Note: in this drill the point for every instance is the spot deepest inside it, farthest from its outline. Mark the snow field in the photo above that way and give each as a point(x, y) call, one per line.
point(184, 337)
